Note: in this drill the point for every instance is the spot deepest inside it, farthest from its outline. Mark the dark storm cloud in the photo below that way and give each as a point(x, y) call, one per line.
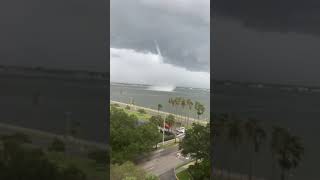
point(268, 41)
point(273, 15)
point(64, 34)
point(244, 54)
point(181, 28)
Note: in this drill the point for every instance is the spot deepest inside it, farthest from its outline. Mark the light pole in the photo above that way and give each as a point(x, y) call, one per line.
point(164, 124)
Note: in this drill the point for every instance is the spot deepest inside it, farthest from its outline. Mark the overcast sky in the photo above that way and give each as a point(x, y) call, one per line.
point(268, 41)
point(181, 28)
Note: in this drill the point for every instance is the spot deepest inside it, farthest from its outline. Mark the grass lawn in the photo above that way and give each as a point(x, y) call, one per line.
point(88, 166)
point(183, 175)
point(140, 116)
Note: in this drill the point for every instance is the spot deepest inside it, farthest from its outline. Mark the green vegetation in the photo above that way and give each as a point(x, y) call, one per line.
point(184, 175)
point(142, 111)
point(196, 143)
point(128, 141)
point(286, 149)
point(128, 107)
point(199, 109)
point(157, 120)
point(170, 120)
point(128, 171)
point(140, 116)
point(186, 104)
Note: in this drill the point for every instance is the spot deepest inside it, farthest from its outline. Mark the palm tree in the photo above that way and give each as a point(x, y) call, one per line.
point(171, 103)
point(199, 109)
point(183, 104)
point(287, 150)
point(190, 104)
point(177, 102)
point(256, 135)
point(159, 107)
point(170, 120)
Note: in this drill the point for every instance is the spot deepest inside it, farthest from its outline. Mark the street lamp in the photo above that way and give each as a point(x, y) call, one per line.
point(164, 124)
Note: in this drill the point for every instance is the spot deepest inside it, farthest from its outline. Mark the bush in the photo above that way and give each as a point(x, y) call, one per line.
point(168, 137)
point(157, 120)
point(115, 105)
point(57, 145)
point(142, 111)
point(128, 107)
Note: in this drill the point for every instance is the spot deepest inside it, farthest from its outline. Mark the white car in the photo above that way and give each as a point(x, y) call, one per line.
point(181, 130)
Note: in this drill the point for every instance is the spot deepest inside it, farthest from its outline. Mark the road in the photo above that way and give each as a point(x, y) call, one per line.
point(169, 175)
point(162, 162)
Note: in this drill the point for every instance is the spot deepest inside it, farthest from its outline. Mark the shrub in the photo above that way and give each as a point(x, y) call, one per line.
point(115, 105)
point(128, 107)
point(142, 111)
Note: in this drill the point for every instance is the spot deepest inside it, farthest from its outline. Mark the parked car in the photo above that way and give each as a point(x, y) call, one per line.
point(181, 130)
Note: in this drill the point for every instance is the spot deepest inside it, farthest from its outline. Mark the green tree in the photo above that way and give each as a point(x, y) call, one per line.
point(199, 108)
point(196, 142)
point(170, 119)
point(183, 104)
point(190, 105)
point(157, 120)
point(128, 139)
point(159, 107)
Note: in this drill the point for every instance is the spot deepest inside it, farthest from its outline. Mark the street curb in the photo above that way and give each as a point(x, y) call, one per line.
point(175, 174)
point(179, 166)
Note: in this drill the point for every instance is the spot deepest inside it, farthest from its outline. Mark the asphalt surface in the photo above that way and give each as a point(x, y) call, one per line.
point(162, 162)
point(169, 175)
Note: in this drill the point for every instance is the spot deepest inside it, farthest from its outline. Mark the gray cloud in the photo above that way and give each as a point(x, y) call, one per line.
point(273, 15)
point(62, 34)
point(244, 54)
point(181, 29)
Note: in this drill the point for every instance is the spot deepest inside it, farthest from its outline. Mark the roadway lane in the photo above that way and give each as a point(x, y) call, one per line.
point(169, 175)
point(161, 162)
